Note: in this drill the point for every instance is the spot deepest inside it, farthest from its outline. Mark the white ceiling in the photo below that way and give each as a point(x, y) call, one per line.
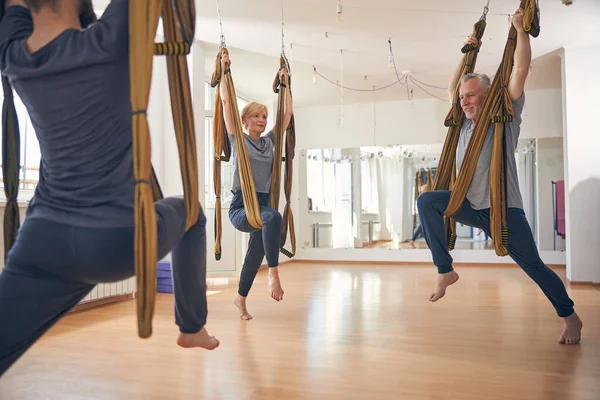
point(426, 37)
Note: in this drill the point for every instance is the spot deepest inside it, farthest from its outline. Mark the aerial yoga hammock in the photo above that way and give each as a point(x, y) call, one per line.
point(222, 152)
point(143, 23)
point(498, 109)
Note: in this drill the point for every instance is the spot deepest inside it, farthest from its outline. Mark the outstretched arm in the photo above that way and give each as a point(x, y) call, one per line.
point(289, 107)
point(522, 58)
point(459, 68)
point(16, 23)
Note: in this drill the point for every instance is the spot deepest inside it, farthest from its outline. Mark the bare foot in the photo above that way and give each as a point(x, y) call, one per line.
point(444, 280)
point(274, 284)
point(199, 339)
point(572, 332)
point(240, 303)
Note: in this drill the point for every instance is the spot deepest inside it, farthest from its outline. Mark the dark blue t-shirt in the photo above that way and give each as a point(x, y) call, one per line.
point(76, 91)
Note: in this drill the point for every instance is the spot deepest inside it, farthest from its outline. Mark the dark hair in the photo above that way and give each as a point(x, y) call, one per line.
point(36, 5)
point(87, 16)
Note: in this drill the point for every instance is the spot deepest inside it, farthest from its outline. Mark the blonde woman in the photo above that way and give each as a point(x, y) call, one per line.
point(263, 242)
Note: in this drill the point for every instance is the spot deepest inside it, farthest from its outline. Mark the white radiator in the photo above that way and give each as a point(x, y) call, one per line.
point(106, 290)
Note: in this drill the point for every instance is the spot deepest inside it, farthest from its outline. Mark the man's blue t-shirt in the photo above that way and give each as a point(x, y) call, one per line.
point(76, 91)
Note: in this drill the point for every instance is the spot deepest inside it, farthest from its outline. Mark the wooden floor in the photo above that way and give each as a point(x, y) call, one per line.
point(341, 332)
point(468, 244)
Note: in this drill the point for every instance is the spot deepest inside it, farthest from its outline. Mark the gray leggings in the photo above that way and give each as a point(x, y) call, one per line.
point(53, 266)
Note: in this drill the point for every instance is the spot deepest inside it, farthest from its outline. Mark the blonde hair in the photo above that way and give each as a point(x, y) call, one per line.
point(251, 109)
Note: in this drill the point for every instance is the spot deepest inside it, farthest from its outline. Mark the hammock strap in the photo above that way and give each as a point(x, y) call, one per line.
point(172, 49)
point(445, 177)
point(283, 88)
point(181, 100)
point(143, 24)
point(279, 86)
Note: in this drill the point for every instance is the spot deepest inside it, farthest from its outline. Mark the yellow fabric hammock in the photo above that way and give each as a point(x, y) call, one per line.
point(281, 87)
point(143, 23)
point(222, 152)
point(498, 109)
point(446, 172)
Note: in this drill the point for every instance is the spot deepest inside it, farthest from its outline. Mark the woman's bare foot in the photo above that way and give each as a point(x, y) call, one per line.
point(444, 280)
point(572, 332)
point(240, 303)
point(199, 339)
point(274, 284)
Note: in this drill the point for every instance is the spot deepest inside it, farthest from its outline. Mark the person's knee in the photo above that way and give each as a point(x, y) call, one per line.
point(426, 201)
point(179, 203)
point(271, 217)
point(433, 200)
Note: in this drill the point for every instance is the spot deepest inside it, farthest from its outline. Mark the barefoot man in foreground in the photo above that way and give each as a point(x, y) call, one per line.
point(475, 211)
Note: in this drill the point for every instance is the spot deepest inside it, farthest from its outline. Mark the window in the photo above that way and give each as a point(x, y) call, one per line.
point(369, 189)
point(321, 178)
point(29, 153)
point(226, 167)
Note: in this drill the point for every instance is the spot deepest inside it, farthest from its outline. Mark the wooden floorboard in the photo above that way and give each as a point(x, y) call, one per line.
point(353, 331)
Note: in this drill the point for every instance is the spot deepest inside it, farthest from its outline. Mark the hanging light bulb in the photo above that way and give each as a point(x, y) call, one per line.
point(391, 63)
point(339, 11)
point(314, 80)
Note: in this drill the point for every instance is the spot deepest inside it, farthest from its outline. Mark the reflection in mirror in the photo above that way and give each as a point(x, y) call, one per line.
point(366, 197)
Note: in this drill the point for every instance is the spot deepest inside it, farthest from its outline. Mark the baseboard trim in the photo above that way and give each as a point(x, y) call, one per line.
point(584, 283)
point(101, 302)
point(420, 263)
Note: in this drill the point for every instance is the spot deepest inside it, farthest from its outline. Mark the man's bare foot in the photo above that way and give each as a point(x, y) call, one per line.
point(444, 280)
point(240, 303)
point(572, 332)
point(274, 284)
point(199, 339)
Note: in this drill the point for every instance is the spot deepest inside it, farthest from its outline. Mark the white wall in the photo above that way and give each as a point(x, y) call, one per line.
point(550, 167)
point(404, 122)
point(581, 84)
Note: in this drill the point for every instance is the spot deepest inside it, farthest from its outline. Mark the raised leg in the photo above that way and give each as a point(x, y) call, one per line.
point(189, 270)
point(431, 207)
